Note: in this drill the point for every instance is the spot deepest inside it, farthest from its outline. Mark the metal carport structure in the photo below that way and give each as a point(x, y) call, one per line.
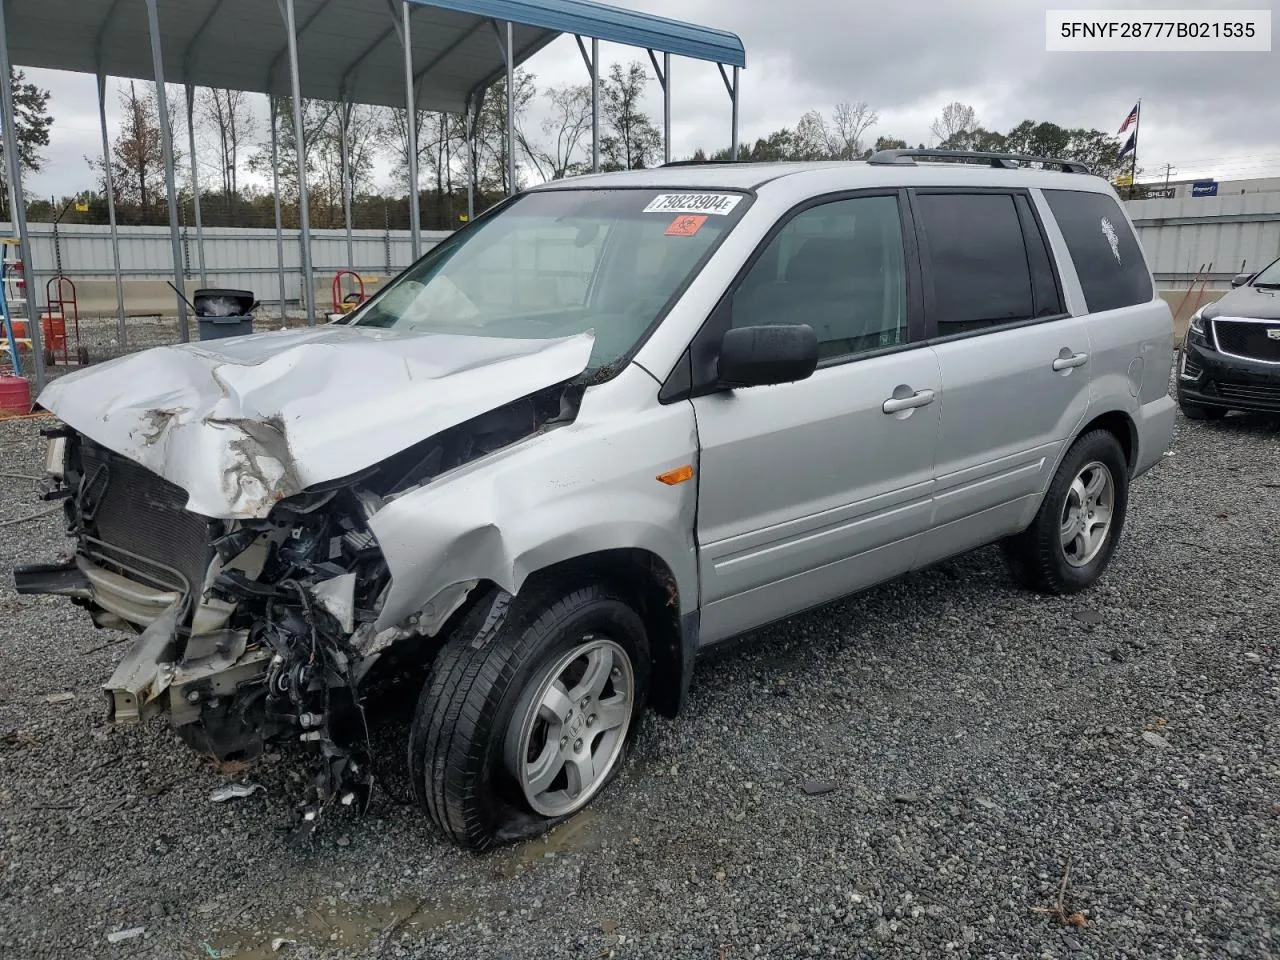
point(439, 55)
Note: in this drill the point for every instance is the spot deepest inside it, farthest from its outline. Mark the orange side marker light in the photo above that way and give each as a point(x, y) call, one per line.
point(678, 475)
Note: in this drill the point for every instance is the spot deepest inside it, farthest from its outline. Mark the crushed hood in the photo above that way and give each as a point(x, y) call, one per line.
point(242, 423)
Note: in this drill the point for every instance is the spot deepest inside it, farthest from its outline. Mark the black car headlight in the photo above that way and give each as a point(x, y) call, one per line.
point(1196, 332)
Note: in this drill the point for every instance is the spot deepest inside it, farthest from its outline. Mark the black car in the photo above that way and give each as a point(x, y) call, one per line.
point(1230, 359)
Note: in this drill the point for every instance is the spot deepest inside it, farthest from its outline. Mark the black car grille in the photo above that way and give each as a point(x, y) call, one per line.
point(138, 523)
point(1255, 395)
point(1249, 338)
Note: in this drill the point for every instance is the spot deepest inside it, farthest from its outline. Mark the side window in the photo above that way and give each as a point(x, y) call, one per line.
point(1106, 253)
point(839, 267)
point(980, 269)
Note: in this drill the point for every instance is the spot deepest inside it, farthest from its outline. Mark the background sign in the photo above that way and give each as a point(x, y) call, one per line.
point(1204, 188)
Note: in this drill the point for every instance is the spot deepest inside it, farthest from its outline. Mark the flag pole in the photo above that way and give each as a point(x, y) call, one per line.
point(1133, 161)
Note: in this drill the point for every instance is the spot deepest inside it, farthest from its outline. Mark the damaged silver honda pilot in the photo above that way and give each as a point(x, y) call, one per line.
point(612, 421)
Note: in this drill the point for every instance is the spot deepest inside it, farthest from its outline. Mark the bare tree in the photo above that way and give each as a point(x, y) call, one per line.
point(566, 128)
point(393, 136)
point(848, 124)
point(228, 117)
point(316, 115)
point(491, 129)
point(633, 141)
point(812, 137)
point(137, 154)
point(363, 123)
point(957, 118)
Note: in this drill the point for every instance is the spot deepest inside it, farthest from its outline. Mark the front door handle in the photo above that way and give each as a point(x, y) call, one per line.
point(1075, 360)
point(921, 398)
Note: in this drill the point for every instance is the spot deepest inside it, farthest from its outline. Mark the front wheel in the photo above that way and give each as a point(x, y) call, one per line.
point(527, 713)
point(1075, 532)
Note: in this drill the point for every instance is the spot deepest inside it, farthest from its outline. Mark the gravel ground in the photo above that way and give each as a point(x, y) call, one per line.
point(979, 741)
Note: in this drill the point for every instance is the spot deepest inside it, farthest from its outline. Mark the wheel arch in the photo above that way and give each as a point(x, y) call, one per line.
point(646, 580)
point(1120, 425)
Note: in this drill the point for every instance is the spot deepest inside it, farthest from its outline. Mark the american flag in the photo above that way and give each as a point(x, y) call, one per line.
point(1130, 119)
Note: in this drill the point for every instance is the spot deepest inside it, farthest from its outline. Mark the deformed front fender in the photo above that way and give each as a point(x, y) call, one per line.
point(579, 489)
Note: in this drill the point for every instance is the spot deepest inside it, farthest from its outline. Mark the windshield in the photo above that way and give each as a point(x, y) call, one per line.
point(1269, 276)
point(561, 262)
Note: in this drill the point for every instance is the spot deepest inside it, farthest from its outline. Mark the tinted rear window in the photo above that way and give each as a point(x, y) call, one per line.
point(1106, 253)
point(980, 273)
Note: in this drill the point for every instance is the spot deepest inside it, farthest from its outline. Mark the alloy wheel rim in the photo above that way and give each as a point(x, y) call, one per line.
point(1087, 514)
point(569, 729)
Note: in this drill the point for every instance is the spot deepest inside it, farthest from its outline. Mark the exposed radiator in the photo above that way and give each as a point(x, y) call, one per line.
point(138, 523)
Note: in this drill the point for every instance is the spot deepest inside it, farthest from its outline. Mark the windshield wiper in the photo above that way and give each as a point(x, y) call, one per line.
point(1265, 286)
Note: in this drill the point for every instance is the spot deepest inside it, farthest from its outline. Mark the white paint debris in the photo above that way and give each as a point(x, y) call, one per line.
point(230, 791)
point(122, 935)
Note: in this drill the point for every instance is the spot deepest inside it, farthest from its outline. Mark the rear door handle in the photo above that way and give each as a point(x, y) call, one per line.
point(1075, 360)
point(921, 398)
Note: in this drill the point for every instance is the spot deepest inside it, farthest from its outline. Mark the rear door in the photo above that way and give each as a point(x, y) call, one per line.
point(1015, 365)
point(811, 490)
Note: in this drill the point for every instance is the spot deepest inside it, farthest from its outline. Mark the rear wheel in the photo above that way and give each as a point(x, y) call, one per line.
point(527, 712)
point(1076, 530)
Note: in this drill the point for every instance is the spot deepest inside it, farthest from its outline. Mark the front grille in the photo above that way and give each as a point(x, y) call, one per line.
point(137, 522)
point(1256, 395)
point(1250, 339)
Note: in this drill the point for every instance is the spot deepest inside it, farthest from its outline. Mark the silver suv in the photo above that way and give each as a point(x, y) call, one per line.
point(612, 422)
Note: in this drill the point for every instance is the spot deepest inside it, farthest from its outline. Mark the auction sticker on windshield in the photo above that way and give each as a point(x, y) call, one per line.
point(718, 204)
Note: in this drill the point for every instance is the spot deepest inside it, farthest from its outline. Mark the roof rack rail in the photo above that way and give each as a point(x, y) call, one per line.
point(1005, 161)
point(698, 163)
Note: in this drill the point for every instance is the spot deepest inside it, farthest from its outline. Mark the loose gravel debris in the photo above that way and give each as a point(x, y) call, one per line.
point(981, 741)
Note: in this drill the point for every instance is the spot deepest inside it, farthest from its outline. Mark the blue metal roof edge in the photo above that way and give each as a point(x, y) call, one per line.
point(614, 24)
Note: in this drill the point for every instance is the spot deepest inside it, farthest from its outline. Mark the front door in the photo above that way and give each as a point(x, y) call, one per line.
point(811, 490)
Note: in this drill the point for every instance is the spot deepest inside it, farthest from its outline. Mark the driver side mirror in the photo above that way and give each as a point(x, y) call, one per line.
point(764, 355)
point(1240, 279)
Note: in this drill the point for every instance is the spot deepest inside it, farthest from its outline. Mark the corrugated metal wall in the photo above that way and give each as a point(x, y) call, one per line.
point(1184, 234)
point(234, 257)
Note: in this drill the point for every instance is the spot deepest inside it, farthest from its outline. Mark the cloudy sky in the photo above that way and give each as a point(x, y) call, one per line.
point(1207, 114)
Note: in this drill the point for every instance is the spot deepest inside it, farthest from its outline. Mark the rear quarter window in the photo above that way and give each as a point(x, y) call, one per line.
point(1107, 256)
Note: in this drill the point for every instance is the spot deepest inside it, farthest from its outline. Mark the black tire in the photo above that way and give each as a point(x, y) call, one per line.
point(460, 725)
point(1036, 557)
point(1195, 411)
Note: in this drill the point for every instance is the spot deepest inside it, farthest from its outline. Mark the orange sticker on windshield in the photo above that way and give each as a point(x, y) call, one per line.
point(685, 226)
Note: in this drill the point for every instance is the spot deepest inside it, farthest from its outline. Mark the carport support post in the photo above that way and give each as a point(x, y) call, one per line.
point(166, 145)
point(274, 106)
point(666, 107)
point(733, 99)
point(664, 81)
point(121, 330)
point(411, 131)
point(471, 161)
point(591, 59)
point(509, 53)
point(18, 199)
point(344, 125)
point(735, 113)
point(304, 215)
point(195, 179)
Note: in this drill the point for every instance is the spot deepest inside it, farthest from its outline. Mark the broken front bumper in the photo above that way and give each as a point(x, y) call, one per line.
point(151, 680)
